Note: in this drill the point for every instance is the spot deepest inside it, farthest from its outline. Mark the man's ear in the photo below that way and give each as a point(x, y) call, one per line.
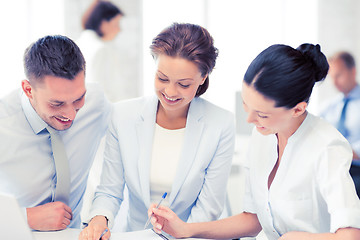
point(27, 88)
point(299, 109)
point(353, 72)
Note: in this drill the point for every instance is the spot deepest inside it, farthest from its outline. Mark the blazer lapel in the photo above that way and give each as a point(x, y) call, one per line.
point(193, 132)
point(145, 133)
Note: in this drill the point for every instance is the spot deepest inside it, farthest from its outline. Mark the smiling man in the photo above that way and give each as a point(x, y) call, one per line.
point(53, 98)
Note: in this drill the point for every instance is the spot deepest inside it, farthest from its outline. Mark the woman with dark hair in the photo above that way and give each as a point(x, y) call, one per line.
point(174, 142)
point(104, 19)
point(297, 172)
point(101, 24)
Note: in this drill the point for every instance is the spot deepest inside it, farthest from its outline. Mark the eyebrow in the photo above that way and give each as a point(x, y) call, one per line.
point(81, 97)
point(182, 79)
point(262, 112)
point(257, 110)
point(61, 102)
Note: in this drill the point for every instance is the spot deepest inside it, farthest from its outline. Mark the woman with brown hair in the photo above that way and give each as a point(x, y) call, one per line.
point(174, 142)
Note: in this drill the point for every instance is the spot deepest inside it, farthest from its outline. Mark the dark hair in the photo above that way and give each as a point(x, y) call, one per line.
point(103, 10)
point(191, 42)
point(287, 75)
point(53, 55)
point(346, 57)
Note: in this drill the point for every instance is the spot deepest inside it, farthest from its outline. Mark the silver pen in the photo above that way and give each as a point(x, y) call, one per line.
point(148, 221)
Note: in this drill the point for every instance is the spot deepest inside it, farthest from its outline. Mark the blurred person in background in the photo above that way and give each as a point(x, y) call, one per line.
point(101, 23)
point(343, 111)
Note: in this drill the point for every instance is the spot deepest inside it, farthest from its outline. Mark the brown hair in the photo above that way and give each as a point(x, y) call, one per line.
point(56, 55)
point(191, 42)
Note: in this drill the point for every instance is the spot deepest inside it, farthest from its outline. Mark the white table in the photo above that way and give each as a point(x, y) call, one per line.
point(73, 234)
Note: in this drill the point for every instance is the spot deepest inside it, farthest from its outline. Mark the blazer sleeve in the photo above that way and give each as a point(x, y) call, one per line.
point(110, 192)
point(211, 199)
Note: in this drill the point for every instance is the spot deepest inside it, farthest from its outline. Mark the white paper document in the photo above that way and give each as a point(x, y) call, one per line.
point(73, 234)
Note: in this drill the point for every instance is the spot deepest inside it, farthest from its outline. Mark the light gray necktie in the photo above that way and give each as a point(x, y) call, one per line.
point(62, 190)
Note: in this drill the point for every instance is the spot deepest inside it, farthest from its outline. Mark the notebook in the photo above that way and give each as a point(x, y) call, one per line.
point(13, 224)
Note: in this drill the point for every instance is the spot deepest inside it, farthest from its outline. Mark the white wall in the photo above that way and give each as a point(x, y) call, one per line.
point(22, 22)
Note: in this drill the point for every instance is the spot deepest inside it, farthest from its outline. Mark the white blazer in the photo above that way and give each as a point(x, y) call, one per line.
point(199, 187)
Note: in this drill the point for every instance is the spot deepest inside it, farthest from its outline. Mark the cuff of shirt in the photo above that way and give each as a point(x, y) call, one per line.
point(248, 206)
point(101, 212)
point(25, 214)
point(345, 218)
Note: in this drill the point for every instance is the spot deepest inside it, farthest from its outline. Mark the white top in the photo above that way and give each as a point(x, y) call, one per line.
point(312, 190)
point(166, 152)
point(197, 193)
point(103, 65)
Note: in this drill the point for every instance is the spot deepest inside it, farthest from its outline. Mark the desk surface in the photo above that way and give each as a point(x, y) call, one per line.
point(73, 234)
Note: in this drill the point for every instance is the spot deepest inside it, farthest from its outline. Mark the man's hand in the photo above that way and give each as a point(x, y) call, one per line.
point(49, 217)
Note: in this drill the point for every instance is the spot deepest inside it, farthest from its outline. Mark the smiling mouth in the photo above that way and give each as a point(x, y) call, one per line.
point(63, 120)
point(171, 99)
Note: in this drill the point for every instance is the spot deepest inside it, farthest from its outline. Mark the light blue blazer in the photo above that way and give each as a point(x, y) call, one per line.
point(199, 187)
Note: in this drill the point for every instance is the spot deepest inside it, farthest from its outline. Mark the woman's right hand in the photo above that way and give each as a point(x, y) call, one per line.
point(164, 219)
point(96, 227)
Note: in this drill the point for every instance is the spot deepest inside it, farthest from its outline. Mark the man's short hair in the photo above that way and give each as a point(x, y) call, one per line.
point(346, 57)
point(57, 56)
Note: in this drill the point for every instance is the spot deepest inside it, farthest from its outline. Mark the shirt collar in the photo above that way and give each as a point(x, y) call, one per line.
point(302, 128)
point(35, 121)
point(354, 93)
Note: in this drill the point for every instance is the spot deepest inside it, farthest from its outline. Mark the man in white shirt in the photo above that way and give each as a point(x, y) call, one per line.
point(344, 110)
point(52, 100)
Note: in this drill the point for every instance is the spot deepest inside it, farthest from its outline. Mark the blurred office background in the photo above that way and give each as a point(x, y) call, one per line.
point(241, 29)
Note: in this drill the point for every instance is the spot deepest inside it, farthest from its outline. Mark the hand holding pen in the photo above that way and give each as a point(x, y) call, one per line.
point(165, 220)
point(97, 229)
point(149, 218)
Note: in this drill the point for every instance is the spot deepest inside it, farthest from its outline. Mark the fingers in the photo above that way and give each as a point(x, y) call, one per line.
point(83, 234)
point(67, 215)
point(89, 233)
point(66, 222)
point(153, 205)
point(63, 226)
point(63, 209)
point(156, 226)
point(163, 212)
point(106, 235)
point(68, 211)
point(94, 233)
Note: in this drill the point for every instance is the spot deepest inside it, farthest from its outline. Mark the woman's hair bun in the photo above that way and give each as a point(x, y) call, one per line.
point(313, 53)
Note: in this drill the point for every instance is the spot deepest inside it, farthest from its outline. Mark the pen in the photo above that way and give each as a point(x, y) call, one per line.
point(148, 221)
point(105, 231)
